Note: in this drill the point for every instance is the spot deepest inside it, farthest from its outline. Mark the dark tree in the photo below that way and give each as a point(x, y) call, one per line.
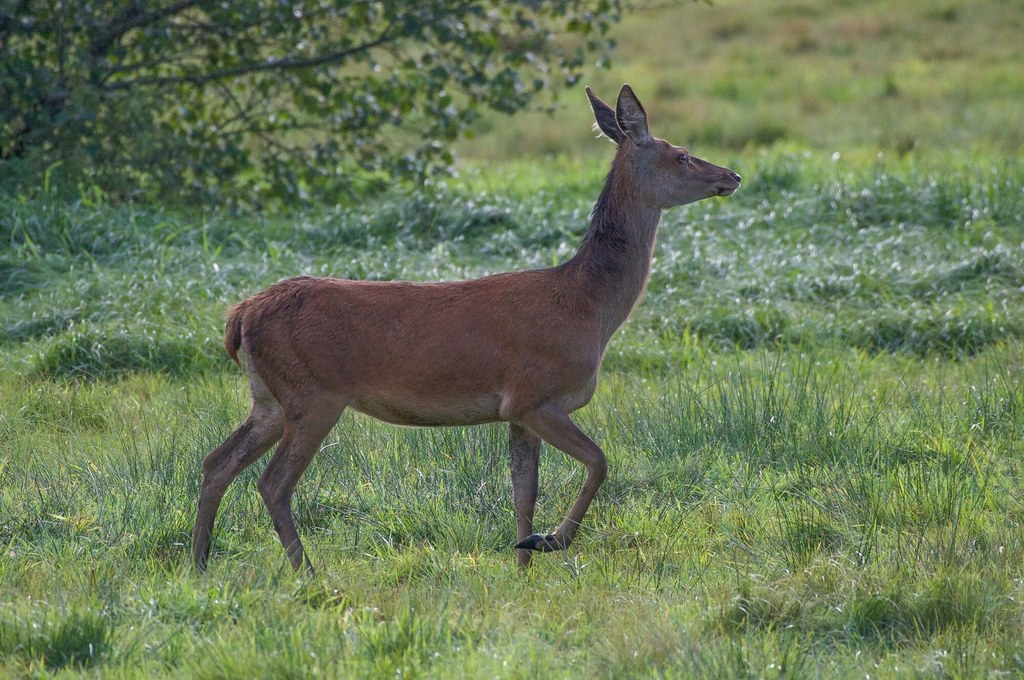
point(218, 100)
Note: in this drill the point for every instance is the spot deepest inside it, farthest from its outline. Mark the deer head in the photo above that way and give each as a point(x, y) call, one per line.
point(666, 173)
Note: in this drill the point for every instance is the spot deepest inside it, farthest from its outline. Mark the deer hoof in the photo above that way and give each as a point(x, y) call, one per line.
point(540, 543)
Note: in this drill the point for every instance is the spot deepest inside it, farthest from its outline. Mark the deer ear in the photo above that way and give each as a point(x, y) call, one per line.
point(631, 117)
point(605, 117)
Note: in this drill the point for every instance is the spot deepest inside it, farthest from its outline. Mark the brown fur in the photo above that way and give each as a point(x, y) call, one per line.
point(522, 347)
point(233, 333)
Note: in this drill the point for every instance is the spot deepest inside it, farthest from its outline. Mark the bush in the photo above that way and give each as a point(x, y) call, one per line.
point(247, 101)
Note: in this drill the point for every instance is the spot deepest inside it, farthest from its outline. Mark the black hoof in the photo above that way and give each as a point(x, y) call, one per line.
point(539, 542)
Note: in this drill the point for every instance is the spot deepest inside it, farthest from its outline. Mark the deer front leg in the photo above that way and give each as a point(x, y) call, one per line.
point(552, 424)
point(524, 459)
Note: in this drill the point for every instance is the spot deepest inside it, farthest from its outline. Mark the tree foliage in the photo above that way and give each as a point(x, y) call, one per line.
point(269, 98)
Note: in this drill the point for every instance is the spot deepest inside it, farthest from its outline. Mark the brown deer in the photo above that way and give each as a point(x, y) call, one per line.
point(522, 347)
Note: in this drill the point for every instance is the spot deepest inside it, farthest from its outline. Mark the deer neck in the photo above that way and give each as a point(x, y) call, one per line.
point(613, 262)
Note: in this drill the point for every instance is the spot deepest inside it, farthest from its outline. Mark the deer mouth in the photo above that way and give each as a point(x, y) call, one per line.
point(732, 183)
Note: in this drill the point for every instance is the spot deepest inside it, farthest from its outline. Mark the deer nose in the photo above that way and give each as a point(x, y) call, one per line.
point(734, 176)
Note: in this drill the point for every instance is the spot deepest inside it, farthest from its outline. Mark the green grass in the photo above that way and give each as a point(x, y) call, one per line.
point(902, 77)
point(812, 252)
point(819, 511)
point(814, 421)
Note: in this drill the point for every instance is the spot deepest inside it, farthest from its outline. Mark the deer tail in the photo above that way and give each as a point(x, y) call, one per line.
point(233, 332)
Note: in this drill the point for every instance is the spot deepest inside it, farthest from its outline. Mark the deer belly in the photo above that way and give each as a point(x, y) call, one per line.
point(425, 412)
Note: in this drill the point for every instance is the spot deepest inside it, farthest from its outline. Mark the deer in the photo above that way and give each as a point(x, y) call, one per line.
point(522, 348)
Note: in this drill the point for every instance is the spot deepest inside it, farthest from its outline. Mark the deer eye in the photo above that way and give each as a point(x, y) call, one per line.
point(684, 159)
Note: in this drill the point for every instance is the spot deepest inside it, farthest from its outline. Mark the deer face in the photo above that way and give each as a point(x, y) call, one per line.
point(667, 174)
point(674, 177)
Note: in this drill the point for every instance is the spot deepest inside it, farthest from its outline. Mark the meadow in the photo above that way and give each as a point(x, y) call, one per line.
point(814, 420)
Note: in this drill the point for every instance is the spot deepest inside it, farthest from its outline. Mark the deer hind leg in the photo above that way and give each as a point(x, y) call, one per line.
point(303, 434)
point(552, 424)
point(524, 450)
point(221, 466)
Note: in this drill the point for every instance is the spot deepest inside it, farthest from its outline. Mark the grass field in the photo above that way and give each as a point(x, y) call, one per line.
point(814, 421)
point(916, 75)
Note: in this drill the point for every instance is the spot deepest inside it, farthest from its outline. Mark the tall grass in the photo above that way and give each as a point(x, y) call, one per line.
point(789, 495)
point(813, 252)
point(815, 511)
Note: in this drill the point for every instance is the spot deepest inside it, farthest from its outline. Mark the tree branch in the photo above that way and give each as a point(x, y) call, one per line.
point(272, 64)
point(132, 17)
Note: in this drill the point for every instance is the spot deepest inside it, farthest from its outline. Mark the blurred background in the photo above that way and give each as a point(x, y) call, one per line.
point(915, 75)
